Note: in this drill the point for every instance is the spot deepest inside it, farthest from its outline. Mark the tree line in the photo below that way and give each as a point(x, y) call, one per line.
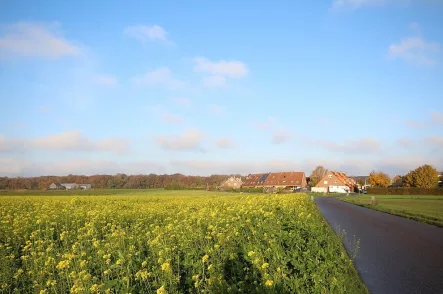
point(425, 176)
point(118, 181)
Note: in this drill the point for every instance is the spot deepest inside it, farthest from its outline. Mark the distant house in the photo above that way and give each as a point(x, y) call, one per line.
point(85, 186)
point(335, 182)
point(396, 179)
point(440, 179)
point(70, 186)
point(285, 180)
point(253, 180)
point(56, 186)
point(361, 181)
point(232, 183)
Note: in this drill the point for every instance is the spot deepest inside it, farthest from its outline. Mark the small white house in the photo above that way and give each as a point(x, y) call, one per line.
point(338, 189)
point(70, 186)
point(232, 183)
point(85, 186)
point(319, 189)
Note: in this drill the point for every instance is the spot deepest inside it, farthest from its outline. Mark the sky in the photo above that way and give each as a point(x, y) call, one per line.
point(220, 87)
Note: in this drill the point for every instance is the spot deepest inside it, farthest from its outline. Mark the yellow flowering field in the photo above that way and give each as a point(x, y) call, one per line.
point(186, 242)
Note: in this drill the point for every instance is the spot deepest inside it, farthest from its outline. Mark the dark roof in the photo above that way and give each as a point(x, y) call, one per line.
point(285, 179)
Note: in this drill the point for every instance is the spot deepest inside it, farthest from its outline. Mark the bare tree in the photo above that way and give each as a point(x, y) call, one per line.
point(317, 174)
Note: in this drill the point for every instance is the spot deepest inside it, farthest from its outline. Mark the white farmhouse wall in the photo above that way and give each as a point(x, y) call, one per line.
point(319, 189)
point(338, 189)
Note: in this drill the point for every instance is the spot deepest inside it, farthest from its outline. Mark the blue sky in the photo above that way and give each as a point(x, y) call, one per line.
point(231, 87)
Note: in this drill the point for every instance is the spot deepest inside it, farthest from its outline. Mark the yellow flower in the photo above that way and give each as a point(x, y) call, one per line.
point(63, 264)
point(251, 253)
point(166, 267)
point(269, 283)
point(142, 275)
point(265, 265)
point(205, 258)
point(94, 288)
point(161, 290)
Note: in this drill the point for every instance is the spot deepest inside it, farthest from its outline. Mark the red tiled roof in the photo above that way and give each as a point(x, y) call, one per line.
point(252, 180)
point(285, 179)
point(276, 179)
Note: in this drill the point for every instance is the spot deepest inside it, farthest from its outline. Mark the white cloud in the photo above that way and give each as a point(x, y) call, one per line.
point(270, 122)
point(216, 109)
point(171, 118)
point(159, 77)
point(279, 137)
point(67, 141)
point(224, 143)
point(106, 80)
point(75, 141)
point(437, 117)
point(35, 40)
point(78, 166)
point(415, 123)
point(13, 166)
point(189, 140)
point(146, 33)
point(360, 146)
point(214, 81)
point(44, 108)
point(415, 28)
point(416, 50)
point(405, 143)
point(352, 166)
point(435, 140)
point(231, 69)
point(182, 101)
point(356, 3)
point(11, 144)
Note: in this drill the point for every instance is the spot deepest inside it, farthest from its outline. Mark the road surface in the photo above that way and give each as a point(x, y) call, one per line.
point(396, 255)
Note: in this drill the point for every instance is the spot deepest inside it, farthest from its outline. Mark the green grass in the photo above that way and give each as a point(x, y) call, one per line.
point(423, 208)
point(149, 241)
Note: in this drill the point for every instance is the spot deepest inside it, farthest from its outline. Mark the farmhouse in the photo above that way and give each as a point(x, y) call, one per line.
point(85, 186)
point(56, 186)
point(70, 186)
point(285, 180)
point(232, 183)
point(335, 182)
point(252, 180)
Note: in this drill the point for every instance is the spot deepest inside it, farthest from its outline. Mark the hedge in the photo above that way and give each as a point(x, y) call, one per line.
point(405, 191)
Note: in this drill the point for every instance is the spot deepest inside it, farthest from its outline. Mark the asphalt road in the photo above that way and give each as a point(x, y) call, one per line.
point(396, 255)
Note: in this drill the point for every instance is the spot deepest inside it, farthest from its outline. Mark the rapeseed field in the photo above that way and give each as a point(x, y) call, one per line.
point(192, 242)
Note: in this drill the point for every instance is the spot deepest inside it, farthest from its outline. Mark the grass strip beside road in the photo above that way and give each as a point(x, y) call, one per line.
point(423, 208)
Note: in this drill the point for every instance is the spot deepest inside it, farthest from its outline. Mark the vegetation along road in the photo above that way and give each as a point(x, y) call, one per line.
point(396, 255)
point(424, 208)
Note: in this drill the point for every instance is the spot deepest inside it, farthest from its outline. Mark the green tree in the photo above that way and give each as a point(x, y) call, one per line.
point(379, 179)
point(425, 176)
